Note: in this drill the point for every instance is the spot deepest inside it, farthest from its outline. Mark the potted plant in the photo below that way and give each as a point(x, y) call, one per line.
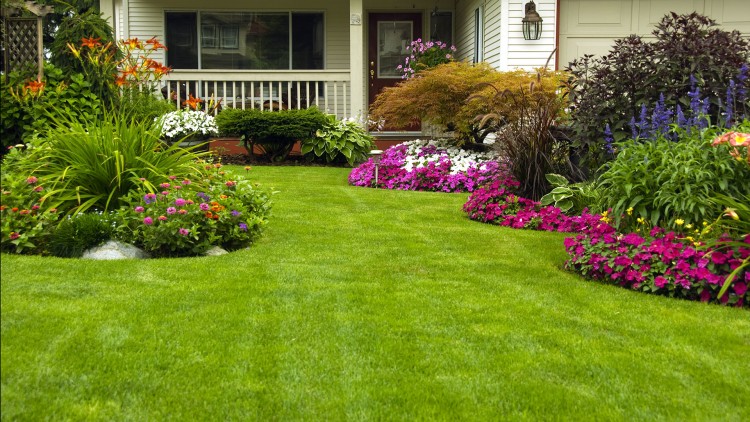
point(188, 127)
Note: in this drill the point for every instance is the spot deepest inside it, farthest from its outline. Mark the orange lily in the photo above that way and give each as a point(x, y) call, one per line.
point(193, 102)
point(90, 42)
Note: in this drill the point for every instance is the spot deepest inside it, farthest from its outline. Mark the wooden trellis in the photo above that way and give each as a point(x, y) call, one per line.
point(20, 41)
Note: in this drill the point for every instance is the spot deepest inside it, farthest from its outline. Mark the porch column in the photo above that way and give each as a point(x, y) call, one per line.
point(356, 58)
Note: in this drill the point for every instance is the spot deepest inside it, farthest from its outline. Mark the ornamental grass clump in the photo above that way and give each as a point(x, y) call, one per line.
point(190, 214)
point(430, 166)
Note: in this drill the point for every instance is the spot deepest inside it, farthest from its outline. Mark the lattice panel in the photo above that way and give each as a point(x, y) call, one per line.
point(20, 43)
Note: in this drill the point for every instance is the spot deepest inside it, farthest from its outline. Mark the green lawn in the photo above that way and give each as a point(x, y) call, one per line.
point(361, 304)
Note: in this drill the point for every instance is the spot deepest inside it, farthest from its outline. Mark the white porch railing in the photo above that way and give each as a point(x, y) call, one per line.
point(328, 90)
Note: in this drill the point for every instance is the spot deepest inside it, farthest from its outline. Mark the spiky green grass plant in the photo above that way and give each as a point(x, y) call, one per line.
point(360, 304)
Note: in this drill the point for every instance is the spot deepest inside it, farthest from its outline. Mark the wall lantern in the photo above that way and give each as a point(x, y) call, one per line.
point(532, 23)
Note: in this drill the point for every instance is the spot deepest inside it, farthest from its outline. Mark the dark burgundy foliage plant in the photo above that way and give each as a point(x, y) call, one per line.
point(689, 51)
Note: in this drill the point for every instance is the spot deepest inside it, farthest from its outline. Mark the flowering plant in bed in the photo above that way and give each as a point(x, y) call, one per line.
point(430, 166)
point(189, 216)
point(26, 221)
point(177, 125)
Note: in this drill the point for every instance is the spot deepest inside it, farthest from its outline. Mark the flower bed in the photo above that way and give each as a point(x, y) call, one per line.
point(430, 166)
point(658, 262)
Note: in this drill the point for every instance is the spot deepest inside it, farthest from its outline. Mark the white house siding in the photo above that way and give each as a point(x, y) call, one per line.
point(591, 26)
point(531, 54)
point(493, 33)
point(465, 28)
point(146, 19)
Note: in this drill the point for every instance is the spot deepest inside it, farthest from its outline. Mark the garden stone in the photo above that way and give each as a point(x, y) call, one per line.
point(113, 249)
point(215, 251)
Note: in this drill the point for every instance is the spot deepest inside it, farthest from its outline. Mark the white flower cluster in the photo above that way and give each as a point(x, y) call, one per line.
point(181, 123)
point(461, 159)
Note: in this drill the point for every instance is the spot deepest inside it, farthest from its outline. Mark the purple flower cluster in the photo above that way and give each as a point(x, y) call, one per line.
point(398, 171)
point(660, 263)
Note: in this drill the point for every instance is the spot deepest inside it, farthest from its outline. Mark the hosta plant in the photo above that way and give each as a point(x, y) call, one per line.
point(339, 140)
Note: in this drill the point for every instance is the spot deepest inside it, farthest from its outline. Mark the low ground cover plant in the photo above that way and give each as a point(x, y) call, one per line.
point(432, 166)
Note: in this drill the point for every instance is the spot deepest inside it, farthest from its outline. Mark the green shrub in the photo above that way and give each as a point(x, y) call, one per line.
point(86, 165)
point(27, 221)
point(28, 111)
point(665, 181)
point(72, 29)
point(74, 235)
point(339, 141)
point(275, 132)
point(611, 89)
point(194, 213)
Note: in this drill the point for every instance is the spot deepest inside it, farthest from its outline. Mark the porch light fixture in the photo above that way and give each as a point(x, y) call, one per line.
point(376, 154)
point(532, 22)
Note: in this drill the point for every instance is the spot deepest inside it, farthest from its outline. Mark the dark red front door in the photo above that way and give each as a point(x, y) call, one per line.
point(389, 36)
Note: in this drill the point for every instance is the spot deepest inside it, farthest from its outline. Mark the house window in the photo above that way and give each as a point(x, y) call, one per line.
point(441, 27)
point(245, 40)
point(479, 34)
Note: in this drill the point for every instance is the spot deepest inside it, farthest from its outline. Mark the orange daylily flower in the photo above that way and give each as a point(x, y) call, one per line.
point(155, 45)
point(134, 43)
point(193, 102)
point(90, 42)
point(735, 139)
point(121, 80)
point(34, 87)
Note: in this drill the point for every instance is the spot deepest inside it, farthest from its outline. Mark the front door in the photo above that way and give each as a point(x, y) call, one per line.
point(388, 37)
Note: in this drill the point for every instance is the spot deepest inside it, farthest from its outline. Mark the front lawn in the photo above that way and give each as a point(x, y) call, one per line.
point(360, 304)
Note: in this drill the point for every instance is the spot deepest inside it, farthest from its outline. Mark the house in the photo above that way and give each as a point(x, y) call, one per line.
point(338, 54)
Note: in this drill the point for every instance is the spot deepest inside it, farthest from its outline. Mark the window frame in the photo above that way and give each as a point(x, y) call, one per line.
point(479, 34)
point(219, 32)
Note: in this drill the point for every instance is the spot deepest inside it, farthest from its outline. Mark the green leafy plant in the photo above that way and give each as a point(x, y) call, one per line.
point(93, 164)
point(425, 55)
point(273, 132)
point(671, 184)
point(76, 234)
point(339, 140)
point(571, 198)
point(27, 220)
point(72, 29)
point(190, 215)
point(611, 89)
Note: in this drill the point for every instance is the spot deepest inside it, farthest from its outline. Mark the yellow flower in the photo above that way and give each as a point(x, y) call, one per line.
point(679, 222)
point(630, 211)
point(705, 223)
point(729, 212)
point(641, 220)
point(688, 226)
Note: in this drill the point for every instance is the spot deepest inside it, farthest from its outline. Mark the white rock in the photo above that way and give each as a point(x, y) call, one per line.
point(113, 249)
point(215, 251)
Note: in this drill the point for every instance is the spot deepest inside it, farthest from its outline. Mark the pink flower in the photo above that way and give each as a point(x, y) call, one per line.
point(184, 232)
point(230, 183)
point(162, 218)
point(31, 180)
point(172, 177)
point(186, 182)
point(740, 288)
point(204, 206)
point(182, 211)
point(139, 209)
point(14, 235)
point(171, 210)
point(164, 185)
point(179, 202)
point(38, 189)
point(148, 221)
